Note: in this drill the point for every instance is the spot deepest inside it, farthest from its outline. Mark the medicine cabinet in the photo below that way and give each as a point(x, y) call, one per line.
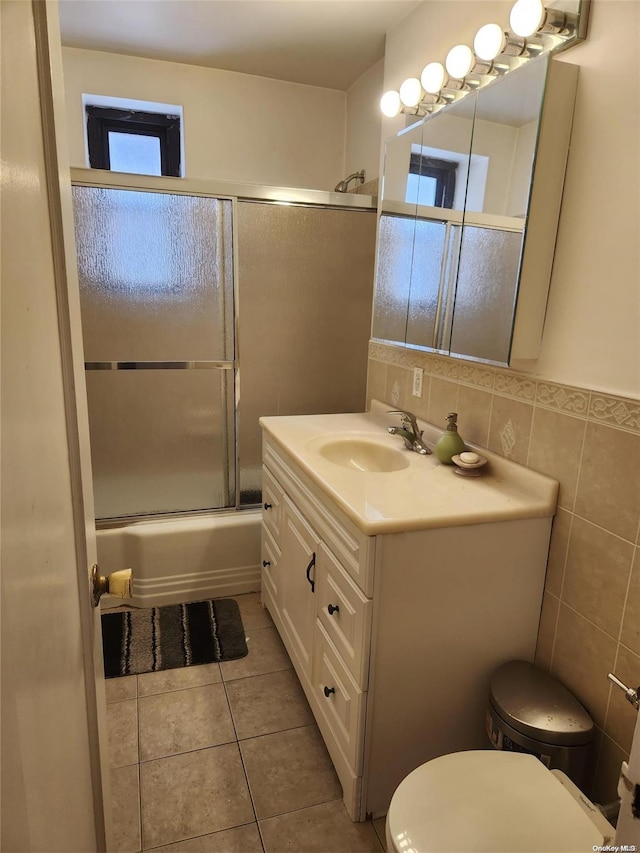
point(468, 217)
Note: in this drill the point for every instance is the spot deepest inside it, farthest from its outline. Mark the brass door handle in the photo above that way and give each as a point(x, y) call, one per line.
point(119, 584)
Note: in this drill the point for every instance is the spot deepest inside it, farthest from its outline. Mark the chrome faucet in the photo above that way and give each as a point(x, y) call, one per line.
point(409, 431)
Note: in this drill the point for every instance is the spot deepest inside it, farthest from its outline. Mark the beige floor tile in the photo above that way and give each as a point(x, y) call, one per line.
point(241, 839)
point(320, 829)
point(118, 689)
point(178, 679)
point(184, 720)
point(122, 726)
point(268, 703)
point(253, 614)
point(197, 793)
point(266, 654)
point(125, 809)
point(289, 770)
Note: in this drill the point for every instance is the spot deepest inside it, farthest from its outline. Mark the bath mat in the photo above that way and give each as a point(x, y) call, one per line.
point(173, 636)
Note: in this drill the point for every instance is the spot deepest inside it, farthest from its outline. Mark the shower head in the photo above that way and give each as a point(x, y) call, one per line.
point(343, 186)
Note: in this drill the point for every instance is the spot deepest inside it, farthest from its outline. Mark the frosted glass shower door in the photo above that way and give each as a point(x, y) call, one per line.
point(304, 302)
point(156, 293)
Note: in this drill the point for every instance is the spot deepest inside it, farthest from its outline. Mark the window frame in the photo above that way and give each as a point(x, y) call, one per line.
point(166, 128)
point(444, 172)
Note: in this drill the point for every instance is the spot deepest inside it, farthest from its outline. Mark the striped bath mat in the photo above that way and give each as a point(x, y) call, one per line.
point(168, 637)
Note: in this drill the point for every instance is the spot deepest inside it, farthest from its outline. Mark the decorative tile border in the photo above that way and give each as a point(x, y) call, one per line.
point(617, 411)
point(481, 377)
point(574, 401)
point(444, 368)
point(620, 412)
point(516, 385)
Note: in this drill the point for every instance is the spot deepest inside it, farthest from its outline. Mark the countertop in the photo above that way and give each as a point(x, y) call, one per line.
point(424, 494)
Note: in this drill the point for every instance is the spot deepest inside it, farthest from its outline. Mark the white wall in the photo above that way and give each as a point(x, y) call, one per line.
point(238, 127)
point(592, 331)
point(363, 123)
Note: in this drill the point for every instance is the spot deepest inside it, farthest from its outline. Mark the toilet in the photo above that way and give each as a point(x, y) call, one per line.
point(496, 802)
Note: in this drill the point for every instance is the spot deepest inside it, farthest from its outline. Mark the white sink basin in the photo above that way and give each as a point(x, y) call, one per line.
point(360, 454)
point(384, 488)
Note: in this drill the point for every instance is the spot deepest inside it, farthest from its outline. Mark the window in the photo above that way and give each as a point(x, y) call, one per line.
point(125, 140)
point(434, 180)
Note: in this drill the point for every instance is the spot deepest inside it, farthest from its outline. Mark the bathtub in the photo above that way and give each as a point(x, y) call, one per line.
point(186, 559)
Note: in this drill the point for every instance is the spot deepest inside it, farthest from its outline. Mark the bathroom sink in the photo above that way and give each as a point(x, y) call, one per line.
point(361, 454)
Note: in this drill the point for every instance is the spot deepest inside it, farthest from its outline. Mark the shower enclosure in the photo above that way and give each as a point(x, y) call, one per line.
point(202, 311)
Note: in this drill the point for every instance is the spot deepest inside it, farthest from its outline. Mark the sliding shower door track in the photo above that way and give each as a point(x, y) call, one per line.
point(159, 365)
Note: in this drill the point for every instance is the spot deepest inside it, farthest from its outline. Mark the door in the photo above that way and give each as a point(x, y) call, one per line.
point(628, 828)
point(297, 571)
point(52, 690)
point(155, 272)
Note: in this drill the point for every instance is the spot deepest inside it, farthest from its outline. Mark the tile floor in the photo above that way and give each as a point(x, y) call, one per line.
point(226, 758)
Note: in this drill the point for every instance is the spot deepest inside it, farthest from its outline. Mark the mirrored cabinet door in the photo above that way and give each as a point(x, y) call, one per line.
point(470, 275)
point(396, 232)
point(505, 133)
point(440, 166)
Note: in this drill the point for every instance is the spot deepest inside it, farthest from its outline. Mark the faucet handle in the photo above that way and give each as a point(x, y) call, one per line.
point(408, 419)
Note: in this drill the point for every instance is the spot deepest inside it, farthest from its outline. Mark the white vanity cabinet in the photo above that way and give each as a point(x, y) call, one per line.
point(393, 636)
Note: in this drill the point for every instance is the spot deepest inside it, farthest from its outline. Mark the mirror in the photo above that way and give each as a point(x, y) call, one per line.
point(456, 213)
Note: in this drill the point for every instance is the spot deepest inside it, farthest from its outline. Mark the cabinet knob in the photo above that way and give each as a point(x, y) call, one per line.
point(267, 506)
point(265, 563)
point(328, 691)
point(333, 608)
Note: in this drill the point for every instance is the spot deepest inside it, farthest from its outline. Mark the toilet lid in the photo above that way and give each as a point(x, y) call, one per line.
point(497, 802)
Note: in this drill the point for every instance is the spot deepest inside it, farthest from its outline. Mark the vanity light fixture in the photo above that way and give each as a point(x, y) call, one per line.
point(491, 41)
point(433, 78)
point(529, 17)
point(552, 29)
point(459, 61)
point(411, 92)
point(390, 104)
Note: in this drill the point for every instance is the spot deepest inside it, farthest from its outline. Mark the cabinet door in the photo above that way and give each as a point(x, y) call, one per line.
point(297, 583)
point(345, 614)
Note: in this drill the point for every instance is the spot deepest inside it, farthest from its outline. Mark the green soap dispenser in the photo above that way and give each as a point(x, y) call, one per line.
point(449, 442)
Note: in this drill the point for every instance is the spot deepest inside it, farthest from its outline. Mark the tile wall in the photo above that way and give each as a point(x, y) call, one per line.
point(590, 443)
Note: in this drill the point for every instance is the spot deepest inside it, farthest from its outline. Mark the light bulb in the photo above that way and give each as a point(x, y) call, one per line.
point(390, 104)
point(527, 16)
point(433, 77)
point(411, 92)
point(489, 42)
point(459, 61)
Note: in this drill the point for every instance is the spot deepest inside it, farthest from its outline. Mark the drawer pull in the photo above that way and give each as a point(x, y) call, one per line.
point(333, 608)
point(312, 563)
point(328, 691)
point(267, 506)
point(265, 563)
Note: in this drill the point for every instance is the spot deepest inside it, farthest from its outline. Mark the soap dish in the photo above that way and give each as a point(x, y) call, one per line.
point(468, 469)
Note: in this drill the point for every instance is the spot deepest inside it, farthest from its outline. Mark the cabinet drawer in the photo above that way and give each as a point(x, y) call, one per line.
point(341, 702)
point(271, 504)
point(345, 614)
point(269, 558)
